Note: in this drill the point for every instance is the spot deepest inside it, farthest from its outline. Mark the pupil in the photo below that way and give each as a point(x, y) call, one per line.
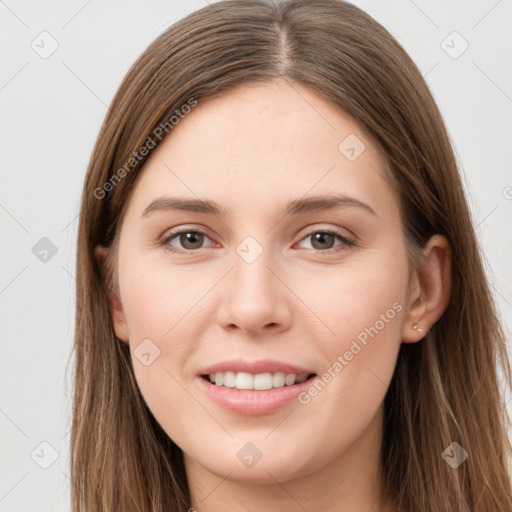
point(191, 238)
point(321, 237)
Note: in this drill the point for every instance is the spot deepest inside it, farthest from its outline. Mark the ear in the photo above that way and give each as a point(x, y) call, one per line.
point(116, 308)
point(430, 289)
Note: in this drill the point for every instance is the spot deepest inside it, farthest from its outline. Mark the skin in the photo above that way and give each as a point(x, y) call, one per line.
point(252, 150)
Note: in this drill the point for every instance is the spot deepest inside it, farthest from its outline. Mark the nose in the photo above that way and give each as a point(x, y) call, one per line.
point(254, 299)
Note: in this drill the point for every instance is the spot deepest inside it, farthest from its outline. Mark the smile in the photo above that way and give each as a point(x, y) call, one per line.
point(250, 401)
point(258, 382)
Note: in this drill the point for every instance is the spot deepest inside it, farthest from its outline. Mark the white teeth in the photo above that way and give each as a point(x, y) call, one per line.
point(229, 379)
point(258, 382)
point(243, 381)
point(278, 379)
point(290, 379)
point(262, 381)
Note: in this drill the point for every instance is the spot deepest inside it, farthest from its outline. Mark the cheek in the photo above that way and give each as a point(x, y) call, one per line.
point(361, 310)
point(348, 300)
point(158, 299)
point(158, 306)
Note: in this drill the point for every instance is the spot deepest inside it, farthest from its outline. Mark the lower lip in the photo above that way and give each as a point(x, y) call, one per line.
point(250, 402)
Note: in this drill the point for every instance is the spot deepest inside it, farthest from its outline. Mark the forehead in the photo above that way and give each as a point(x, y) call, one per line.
point(260, 142)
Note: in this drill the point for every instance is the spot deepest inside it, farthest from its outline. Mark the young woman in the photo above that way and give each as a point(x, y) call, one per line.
point(281, 303)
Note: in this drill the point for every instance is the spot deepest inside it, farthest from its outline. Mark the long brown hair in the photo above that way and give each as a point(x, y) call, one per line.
point(445, 388)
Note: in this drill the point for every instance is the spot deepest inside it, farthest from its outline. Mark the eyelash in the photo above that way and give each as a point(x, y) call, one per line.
point(347, 242)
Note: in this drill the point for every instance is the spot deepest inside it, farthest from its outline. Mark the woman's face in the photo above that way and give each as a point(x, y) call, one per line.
point(281, 276)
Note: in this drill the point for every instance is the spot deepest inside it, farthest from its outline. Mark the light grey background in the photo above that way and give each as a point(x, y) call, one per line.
point(51, 111)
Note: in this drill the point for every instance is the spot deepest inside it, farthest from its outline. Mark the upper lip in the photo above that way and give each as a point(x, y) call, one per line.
point(254, 367)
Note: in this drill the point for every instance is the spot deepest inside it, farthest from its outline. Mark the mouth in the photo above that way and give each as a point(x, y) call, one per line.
point(255, 394)
point(256, 382)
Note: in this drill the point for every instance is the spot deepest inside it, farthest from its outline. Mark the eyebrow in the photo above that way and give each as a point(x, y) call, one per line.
point(293, 207)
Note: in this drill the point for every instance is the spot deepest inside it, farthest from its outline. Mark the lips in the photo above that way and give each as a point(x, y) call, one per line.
point(251, 402)
point(254, 367)
point(260, 399)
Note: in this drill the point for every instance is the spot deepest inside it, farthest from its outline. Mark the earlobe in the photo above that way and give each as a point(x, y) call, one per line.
point(430, 289)
point(116, 308)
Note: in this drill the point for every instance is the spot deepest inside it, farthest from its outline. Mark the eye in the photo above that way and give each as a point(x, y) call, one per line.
point(189, 239)
point(193, 239)
point(323, 240)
